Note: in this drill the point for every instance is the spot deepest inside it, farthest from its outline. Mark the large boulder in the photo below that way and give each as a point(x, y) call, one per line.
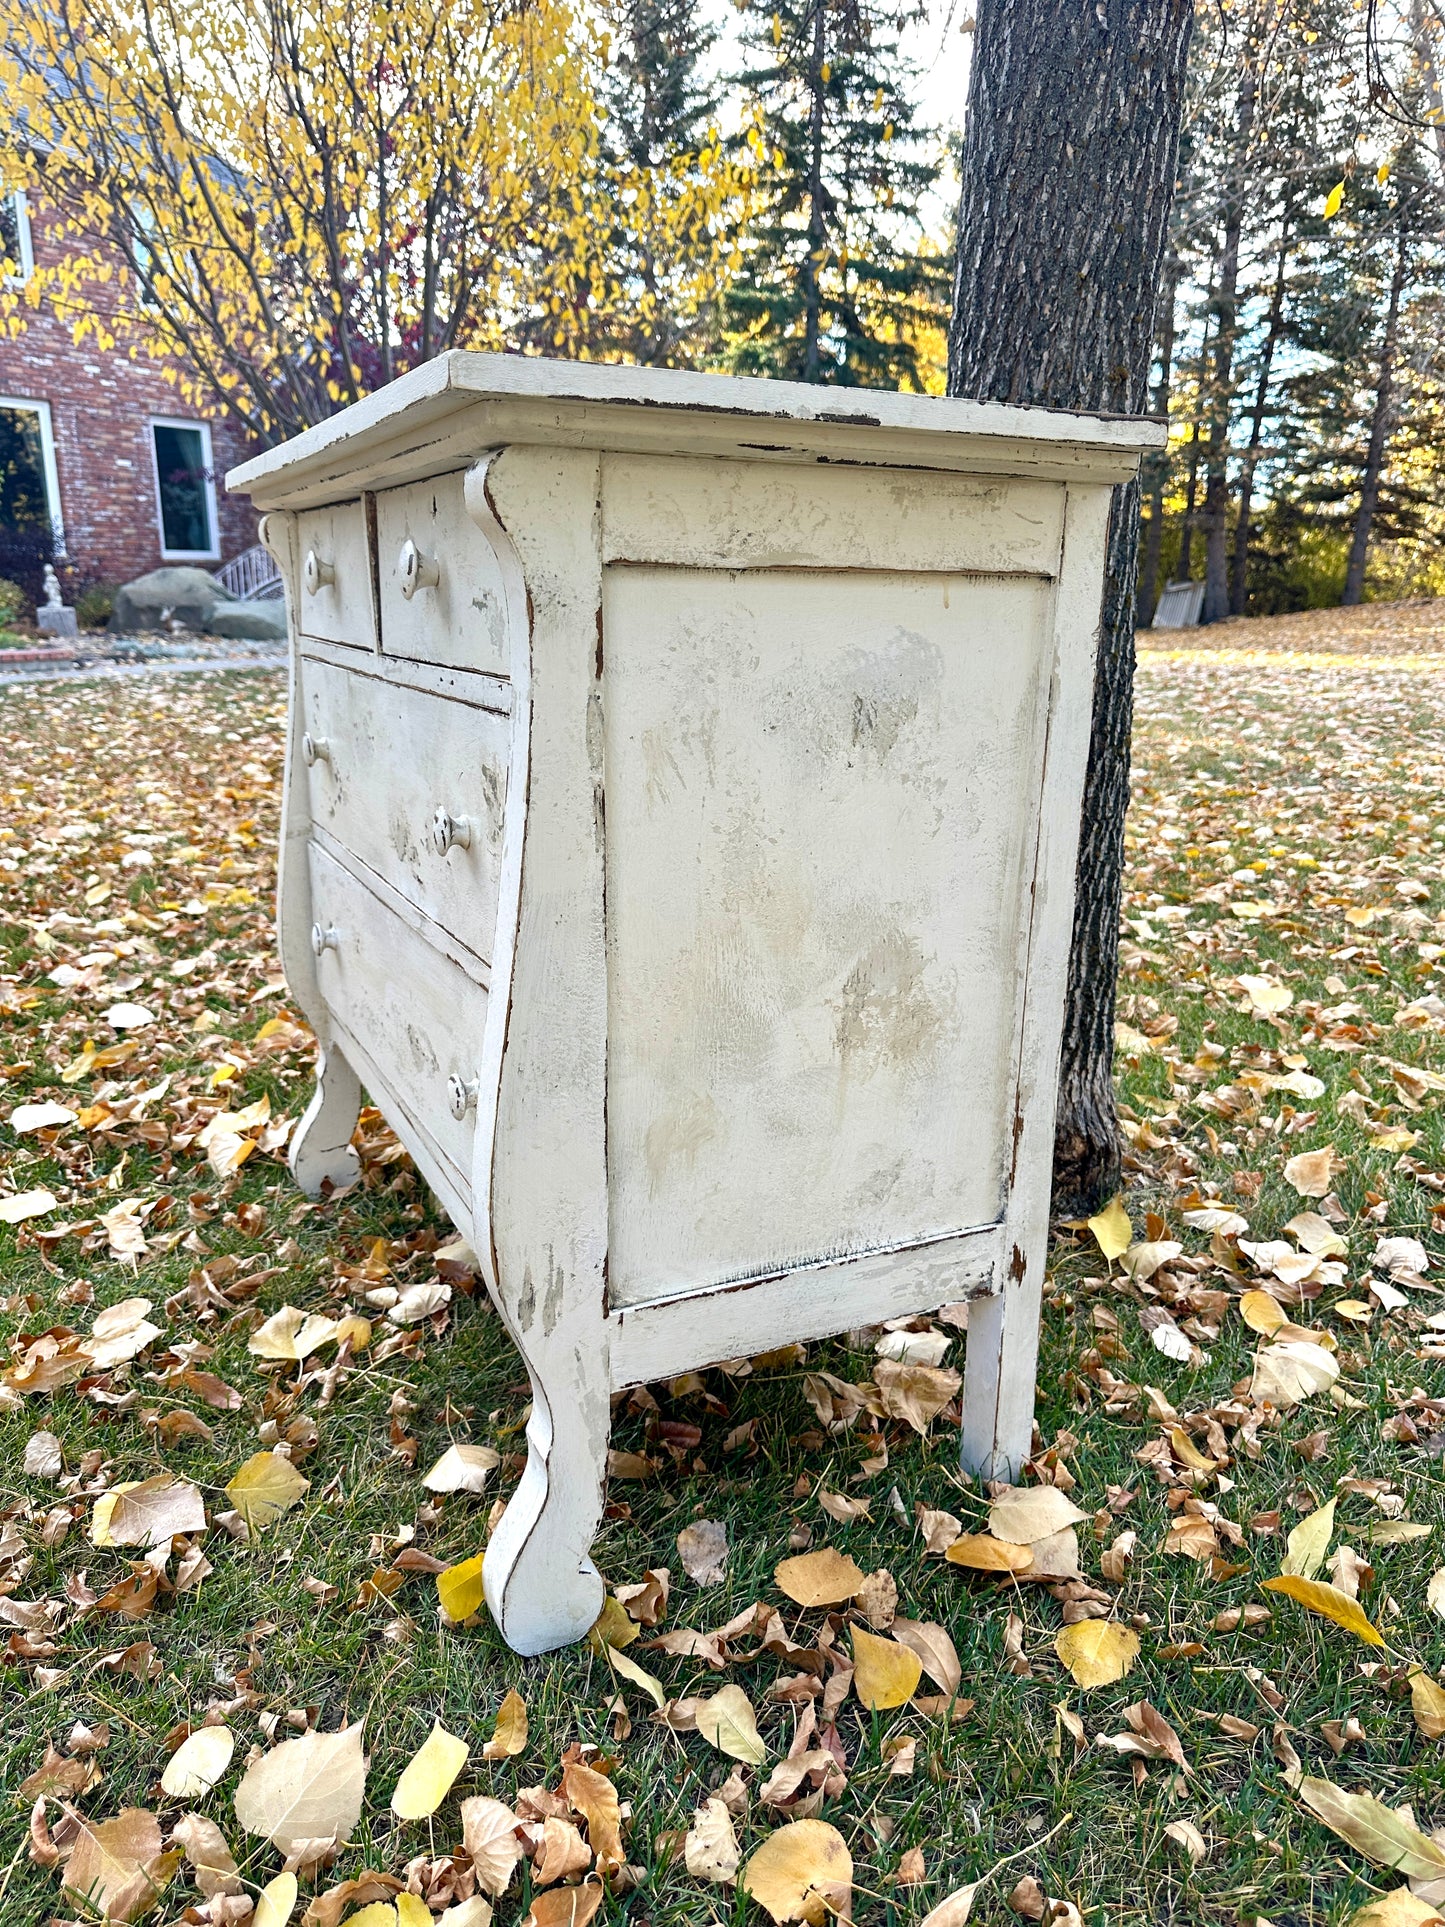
point(188, 596)
point(263, 621)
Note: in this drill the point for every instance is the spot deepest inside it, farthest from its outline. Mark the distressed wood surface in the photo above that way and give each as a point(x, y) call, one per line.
point(336, 605)
point(461, 618)
point(750, 991)
point(438, 753)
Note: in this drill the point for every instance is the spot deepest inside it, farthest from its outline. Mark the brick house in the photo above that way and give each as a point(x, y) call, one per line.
point(127, 472)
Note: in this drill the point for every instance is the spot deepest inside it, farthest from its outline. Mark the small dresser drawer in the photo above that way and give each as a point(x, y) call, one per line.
point(441, 586)
point(433, 828)
point(334, 559)
point(418, 1017)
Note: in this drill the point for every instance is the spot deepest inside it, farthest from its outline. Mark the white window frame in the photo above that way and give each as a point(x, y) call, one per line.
point(47, 462)
point(212, 554)
point(21, 206)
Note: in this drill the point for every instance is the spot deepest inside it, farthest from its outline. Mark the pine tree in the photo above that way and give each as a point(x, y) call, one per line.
point(838, 283)
point(662, 129)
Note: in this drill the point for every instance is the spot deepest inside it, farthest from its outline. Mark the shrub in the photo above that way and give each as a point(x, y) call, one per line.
point(13, 602)
point(93, 605)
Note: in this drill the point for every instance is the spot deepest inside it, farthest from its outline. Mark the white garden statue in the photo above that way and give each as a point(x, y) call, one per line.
point(52, 618)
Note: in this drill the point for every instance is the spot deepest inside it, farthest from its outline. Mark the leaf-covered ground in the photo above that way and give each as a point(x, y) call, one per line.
point(1279, 1008)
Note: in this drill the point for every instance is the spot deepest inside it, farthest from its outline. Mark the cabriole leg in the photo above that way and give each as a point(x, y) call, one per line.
point(1000, 1361)
point(321, 1147)
point(541, 1585)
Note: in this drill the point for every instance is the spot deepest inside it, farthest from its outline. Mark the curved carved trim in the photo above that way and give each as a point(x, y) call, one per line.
point(482, 510)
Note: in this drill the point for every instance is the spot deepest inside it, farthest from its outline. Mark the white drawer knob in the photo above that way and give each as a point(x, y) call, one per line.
point(315, 573)
point(315, 749)
point(462, 1095)
point(416, 570)
point(325, 937)
point(447, 829)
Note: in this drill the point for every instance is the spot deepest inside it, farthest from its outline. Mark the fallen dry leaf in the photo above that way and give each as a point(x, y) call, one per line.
point(118, 1865)
point(823, 1578)
point(459, 1588)
point(1113, 1233)
point(803, 1871)
point(291, 1335)
point(489, 1834)
point(981, 1552)
point(935, 1649)
point(885, 1672)
point(1308, 1544)
point(1097, 1651)
point(1427, 1703)
point(308, 1789)
point(428, 1777)
point(728, 1722)
point(509, 1735)
point(703, 1550)
point(1022, 1514)
point(593, 1795)
point(198, 1763)
point(1329, 1602)
point(267, 1485)
point(710, 1849)
point(564, 1906)
point(276, 1902)
point(1311, 1172)
point(1372, 1829)
point(462, 1468)
point(150, 1512)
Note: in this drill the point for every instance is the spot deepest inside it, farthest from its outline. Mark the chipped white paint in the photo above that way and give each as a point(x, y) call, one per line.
point(681, 814)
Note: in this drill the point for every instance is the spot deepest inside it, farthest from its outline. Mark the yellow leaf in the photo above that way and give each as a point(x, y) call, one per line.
point(1308, 1543)
point(727, 1721)
point(1382, 173)
point(198, 1762)
point(460, 1588)
point(509, 1736)
point(1374, 1830)
point(1262, 1312)
point(614, 1626)
point(1329, 1602)
point(1112, 1230)
point(1398, 1909)
point(412, 1911)
point(264, 1487)
point(629, 1669)
point(804, 1871)
point(428, 1777)
point(1097, 1651)
point(885, 1674)
point(380, 1913)
point(277, 1902)
point(982, 1553)
point(1333, 200)
point(823, 1578)
point(1427, 1703)
point(291, 1335)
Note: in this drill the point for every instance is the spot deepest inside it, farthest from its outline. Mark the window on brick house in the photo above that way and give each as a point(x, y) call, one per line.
point(185, 491)
point(15, 247)
point(31, 530)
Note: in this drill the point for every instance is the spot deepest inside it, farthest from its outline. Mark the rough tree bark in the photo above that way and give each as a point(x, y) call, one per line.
point(1068, 173)
point(1381, 422)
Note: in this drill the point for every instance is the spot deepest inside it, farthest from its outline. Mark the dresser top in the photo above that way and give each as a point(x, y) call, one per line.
point(454, 408)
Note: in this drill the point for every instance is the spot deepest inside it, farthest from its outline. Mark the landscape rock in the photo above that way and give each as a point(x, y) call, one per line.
point(188, 596)
point(263, 621)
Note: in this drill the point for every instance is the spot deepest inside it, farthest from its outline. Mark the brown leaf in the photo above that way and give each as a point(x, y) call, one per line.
point(803, 1871)
point(916, 1394)
point(822, 1578)
point(593, 1795)
point(489, 1834)
point(118, 1865)
point(564, 1906)
point(703, 1550)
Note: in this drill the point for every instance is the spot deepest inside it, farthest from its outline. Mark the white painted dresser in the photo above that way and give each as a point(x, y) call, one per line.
point(681, 813)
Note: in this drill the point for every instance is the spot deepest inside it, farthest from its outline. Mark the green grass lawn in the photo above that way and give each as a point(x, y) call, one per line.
point(1272, 801)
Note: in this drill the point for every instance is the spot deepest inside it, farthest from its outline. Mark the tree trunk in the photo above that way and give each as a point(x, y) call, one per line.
point(1274, 327)
point(1221, 397)
point(1068, 175)
point(1380, 424)
point(1156, 466)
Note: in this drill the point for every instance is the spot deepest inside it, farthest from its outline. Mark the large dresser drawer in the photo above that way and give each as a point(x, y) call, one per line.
point(385, 760)
point(334, 560)
point(440, 583)
point(417, 1016)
